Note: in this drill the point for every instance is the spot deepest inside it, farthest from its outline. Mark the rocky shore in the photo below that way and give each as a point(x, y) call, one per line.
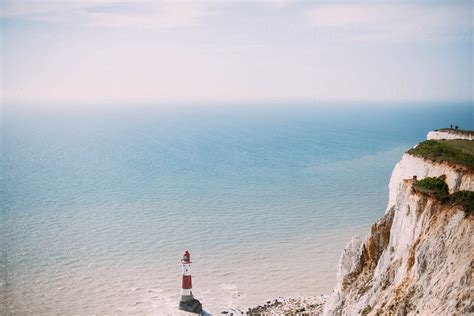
point(299, 306)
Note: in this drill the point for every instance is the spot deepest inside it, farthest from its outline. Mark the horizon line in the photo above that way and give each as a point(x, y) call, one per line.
point(186, 103)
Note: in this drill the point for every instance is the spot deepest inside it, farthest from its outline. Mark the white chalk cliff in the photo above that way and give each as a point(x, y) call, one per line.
point(449, 134)
point(418, 258)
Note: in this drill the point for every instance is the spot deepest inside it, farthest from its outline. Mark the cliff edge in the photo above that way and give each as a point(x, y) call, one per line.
point(417, 258)
point(450, 133)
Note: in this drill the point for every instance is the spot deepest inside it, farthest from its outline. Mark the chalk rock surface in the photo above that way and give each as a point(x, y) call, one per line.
point(417, 258)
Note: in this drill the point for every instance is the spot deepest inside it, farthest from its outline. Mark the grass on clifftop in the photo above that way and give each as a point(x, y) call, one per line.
point(453, 151)
point(438, 188)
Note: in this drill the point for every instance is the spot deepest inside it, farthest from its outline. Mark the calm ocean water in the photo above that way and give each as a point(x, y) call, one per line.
point(98, 205)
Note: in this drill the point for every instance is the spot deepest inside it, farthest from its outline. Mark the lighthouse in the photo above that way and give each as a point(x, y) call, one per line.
point(188, 303)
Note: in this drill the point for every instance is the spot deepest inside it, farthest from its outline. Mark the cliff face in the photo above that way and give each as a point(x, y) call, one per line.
point(450, 134)
point(417, 258)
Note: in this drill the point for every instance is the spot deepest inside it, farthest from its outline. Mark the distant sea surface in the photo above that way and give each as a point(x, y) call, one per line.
point(98, 205)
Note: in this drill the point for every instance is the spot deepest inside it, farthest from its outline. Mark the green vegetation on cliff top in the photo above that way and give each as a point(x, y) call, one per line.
point(432, 186)
point(456, 151)
point(438, 188)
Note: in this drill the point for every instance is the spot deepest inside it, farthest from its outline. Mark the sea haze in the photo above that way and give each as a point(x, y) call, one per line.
point(98, 205)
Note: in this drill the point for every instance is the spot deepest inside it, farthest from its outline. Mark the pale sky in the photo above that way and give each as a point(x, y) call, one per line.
point(236, 51)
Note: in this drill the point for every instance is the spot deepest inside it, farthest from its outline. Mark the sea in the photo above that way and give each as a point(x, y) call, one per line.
point(98, 203)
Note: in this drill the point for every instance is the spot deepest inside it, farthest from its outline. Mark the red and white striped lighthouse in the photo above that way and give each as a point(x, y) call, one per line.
point(188, 302)
point(186, 284)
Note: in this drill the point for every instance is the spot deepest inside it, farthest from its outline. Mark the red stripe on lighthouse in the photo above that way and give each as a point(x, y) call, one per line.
point(186, 282)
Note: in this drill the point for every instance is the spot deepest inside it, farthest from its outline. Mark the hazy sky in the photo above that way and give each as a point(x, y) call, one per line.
point(201, 51)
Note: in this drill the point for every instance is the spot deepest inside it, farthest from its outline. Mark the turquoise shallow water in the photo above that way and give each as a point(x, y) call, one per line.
point(98, 205)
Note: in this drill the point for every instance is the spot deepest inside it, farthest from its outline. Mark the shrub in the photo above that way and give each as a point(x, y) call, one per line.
point(466, 199)
point(433, 186)
point(438, 188)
